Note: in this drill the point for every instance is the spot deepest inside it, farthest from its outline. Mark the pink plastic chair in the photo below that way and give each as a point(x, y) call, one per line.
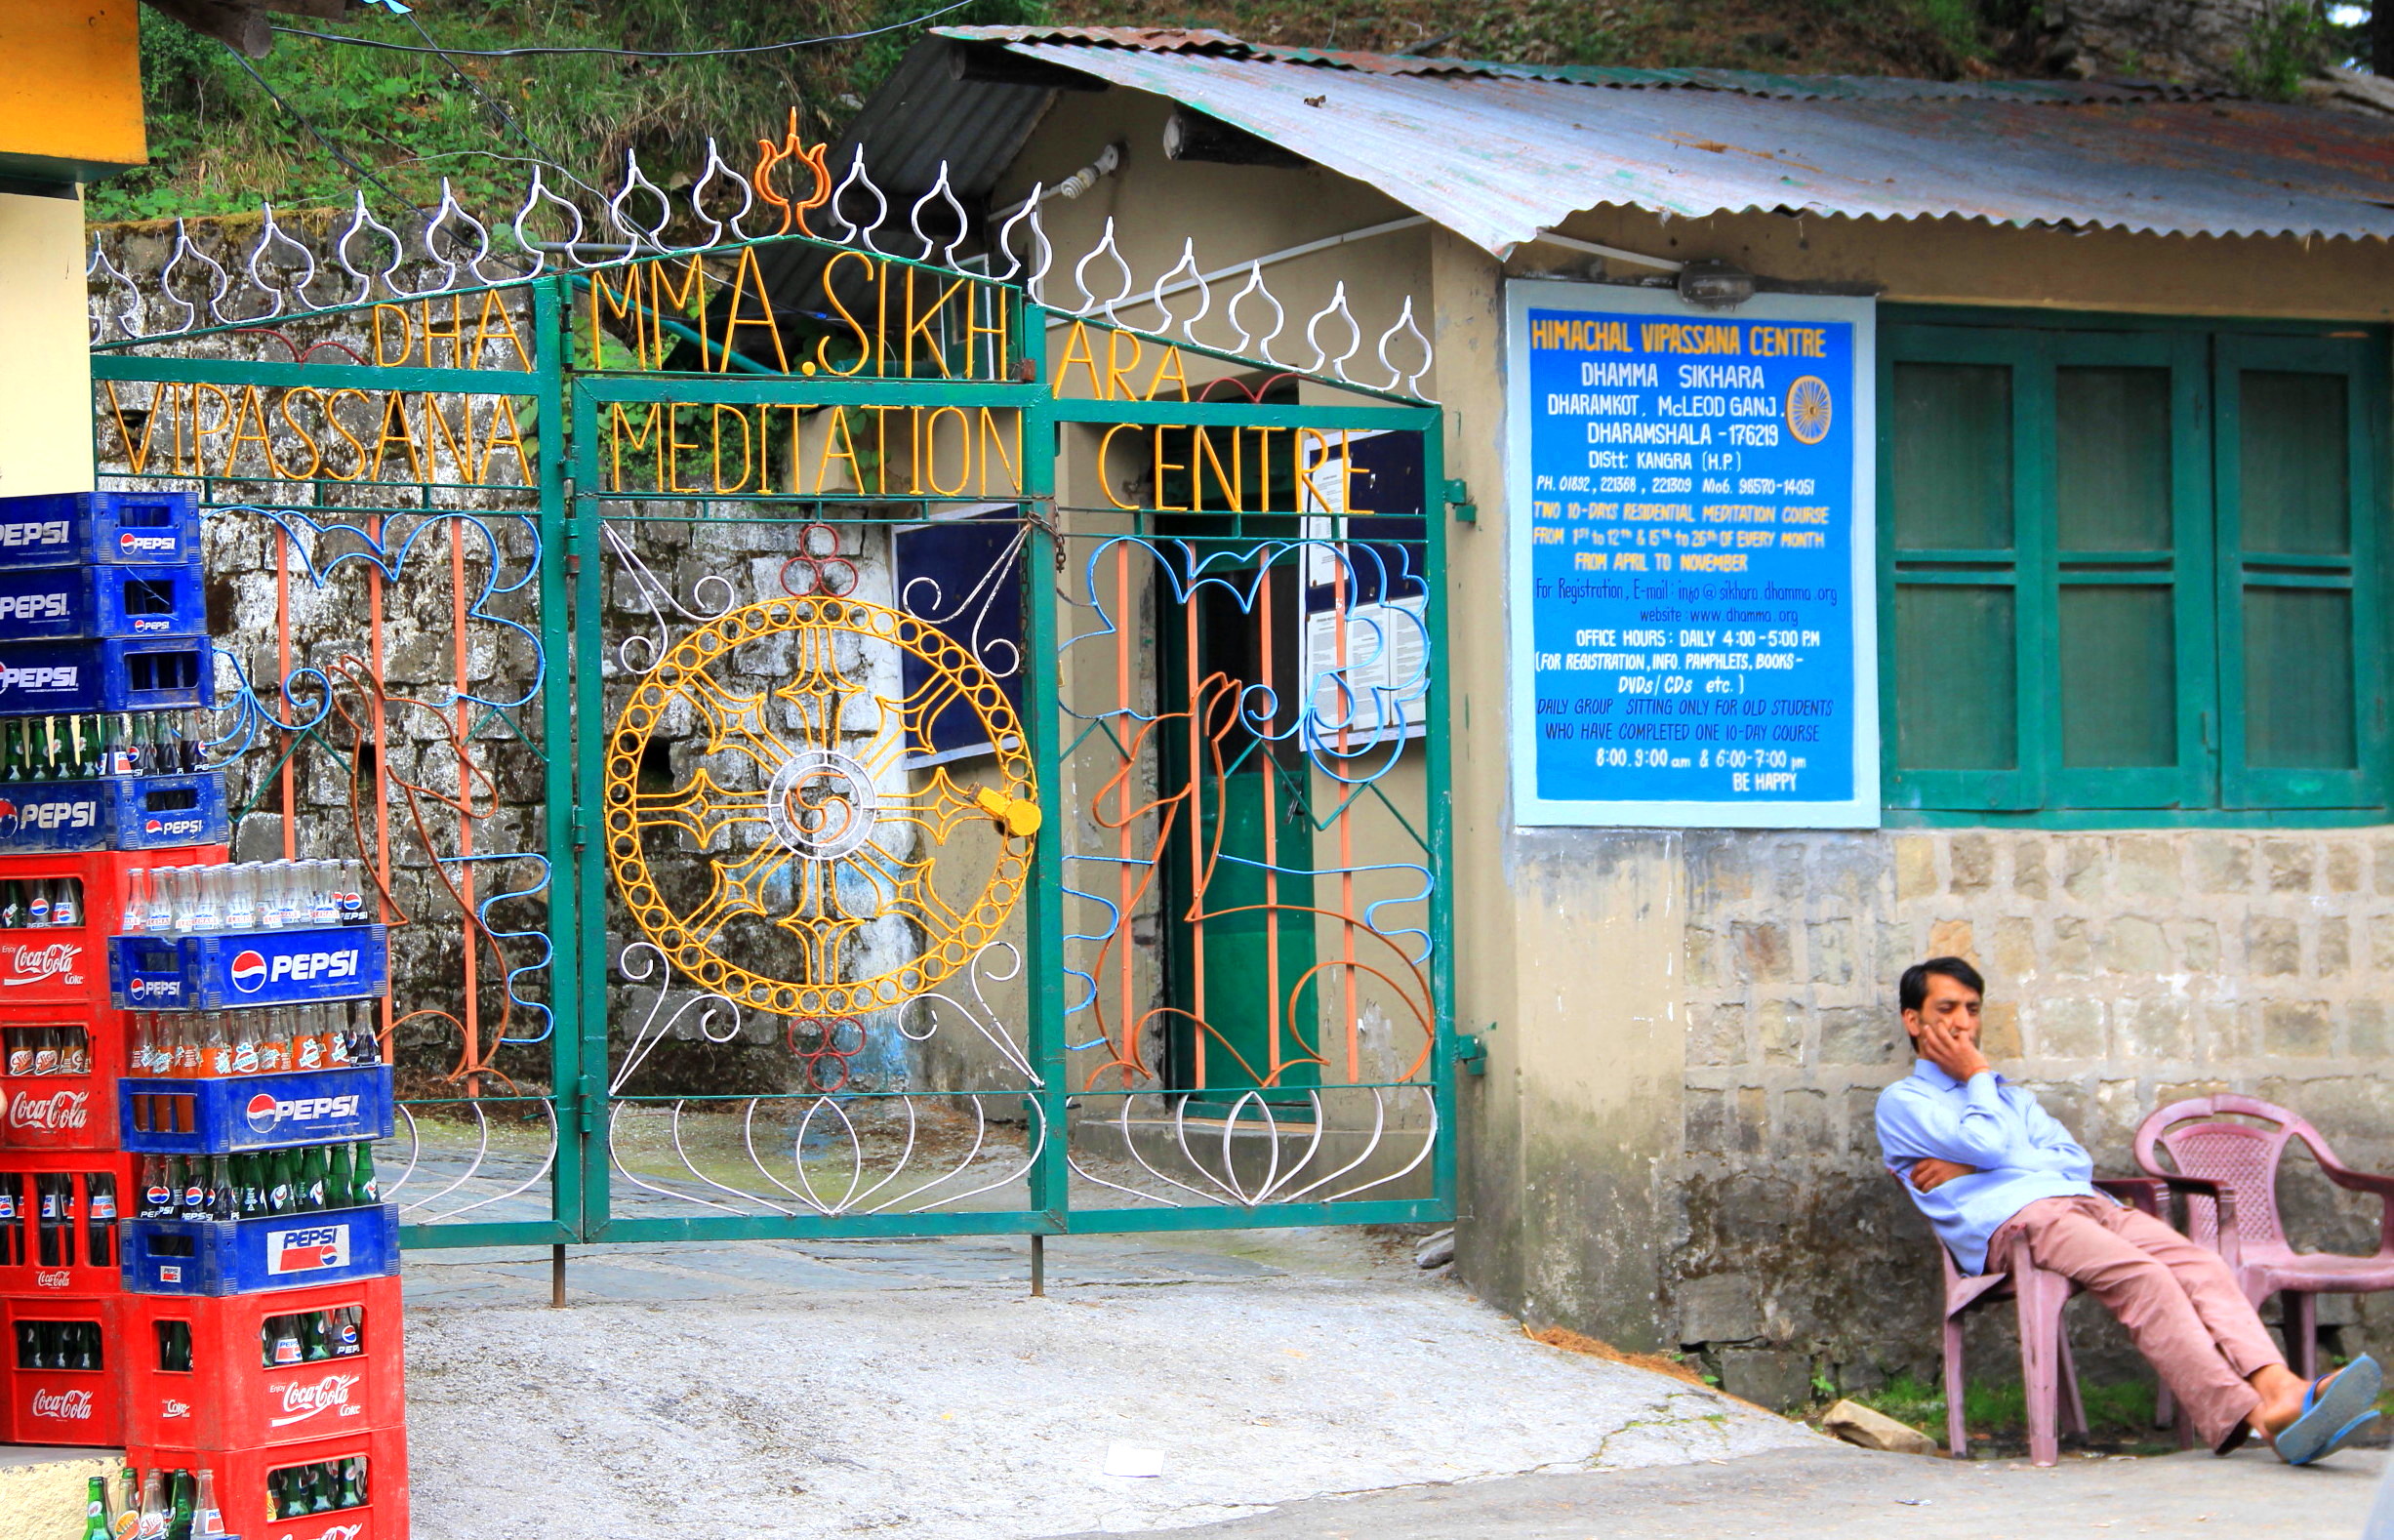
point(2045, 1369)
point(2238, 1216)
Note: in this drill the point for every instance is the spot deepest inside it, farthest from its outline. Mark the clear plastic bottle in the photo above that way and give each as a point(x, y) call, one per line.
point(136, 916)
point(241, 896)
point(208, 912)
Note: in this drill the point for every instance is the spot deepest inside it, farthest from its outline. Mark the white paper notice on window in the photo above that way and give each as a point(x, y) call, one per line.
point(1384, 682)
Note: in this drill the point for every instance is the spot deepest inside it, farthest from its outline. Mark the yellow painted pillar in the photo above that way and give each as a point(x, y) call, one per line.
point(70, 112)
point(46, 389)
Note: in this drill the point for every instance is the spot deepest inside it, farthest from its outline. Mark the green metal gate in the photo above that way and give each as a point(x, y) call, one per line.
point(808, 735)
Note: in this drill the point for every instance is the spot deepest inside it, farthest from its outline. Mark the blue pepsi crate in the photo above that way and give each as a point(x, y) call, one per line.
point(61, 678)
point(248, 1256)
point(231, 970)
point(255, 1112)
point(75, 529)
point(147, 812)
point(67, 604)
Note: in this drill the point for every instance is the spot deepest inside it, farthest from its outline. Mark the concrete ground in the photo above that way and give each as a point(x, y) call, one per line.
point(1291, 1385)
point(913, 1388)
point(1836, 1493)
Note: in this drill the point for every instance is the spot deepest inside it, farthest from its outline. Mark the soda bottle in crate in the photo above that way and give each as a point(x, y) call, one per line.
point(352, 1486)
point(249, 1370)
point(245, 1221)
point(61, 1364)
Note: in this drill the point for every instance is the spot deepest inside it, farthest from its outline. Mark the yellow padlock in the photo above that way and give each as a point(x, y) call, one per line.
point(1017, 816)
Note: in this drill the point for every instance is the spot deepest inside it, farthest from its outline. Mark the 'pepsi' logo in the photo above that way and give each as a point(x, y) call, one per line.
point(265, 1112)
point(8, 818)
point(151, 825)
point(249, 972)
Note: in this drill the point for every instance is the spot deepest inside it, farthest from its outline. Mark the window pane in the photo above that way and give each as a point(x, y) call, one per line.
point(1956, 679)
point(2298, 699)
point(2295, 495)
point(1953, 457)
point(2119, 677)
point(2112, 459)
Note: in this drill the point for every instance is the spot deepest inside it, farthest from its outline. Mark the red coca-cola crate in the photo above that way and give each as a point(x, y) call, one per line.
point(61, 1366)
point(241, 1477)
point(56, 1109)
point(53, 965)
point(54, 1238)
point(230, 1398)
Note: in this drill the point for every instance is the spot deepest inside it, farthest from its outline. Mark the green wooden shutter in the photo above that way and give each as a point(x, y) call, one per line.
point(1960, 724)
point(2132, 651)
point(2301, 679)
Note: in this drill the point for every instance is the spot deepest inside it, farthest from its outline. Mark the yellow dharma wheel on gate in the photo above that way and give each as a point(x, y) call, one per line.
point(806, 827)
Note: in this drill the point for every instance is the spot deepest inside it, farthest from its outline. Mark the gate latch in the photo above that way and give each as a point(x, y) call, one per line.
point(1459, 503)
point(1470, 1054)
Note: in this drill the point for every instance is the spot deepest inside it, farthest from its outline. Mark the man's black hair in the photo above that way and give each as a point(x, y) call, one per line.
point(1913, 991)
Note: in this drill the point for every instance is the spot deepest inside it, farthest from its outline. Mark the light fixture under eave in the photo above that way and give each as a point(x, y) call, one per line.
point(1715, 285)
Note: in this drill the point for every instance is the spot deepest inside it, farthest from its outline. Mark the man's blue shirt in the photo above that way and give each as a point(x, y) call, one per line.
point(2021, 1154)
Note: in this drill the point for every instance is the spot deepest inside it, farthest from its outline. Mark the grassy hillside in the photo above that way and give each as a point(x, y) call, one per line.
point(224, 136)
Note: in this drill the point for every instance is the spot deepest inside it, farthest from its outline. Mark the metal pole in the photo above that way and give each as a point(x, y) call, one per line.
point(557, 1278)
point(1038, 1265)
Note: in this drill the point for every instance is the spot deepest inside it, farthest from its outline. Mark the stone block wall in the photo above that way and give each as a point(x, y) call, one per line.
point(2124, 970)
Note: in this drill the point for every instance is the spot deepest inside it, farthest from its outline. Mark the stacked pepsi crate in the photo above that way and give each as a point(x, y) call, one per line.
point(152, 1298)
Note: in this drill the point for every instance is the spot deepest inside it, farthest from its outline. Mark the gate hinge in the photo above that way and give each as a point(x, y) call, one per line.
point(1459, 505)
point(1470, 1054)
point(582, 832)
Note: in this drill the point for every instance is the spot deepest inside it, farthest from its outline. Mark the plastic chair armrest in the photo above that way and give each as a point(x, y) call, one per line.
point(2366, 1182)
point(2145, 1193)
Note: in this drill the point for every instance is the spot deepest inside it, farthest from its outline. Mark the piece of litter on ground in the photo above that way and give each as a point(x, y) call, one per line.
point(1130, 1459)
point(1912, 1502)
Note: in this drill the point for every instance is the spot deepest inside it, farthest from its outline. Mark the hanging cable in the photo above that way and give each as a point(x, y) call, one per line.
point(539, 155)
point(625, 53)
point(315, 132)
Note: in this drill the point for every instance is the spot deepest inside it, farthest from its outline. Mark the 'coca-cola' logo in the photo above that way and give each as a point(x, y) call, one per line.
point(174, 1408)
point(336, 1532)
point(33, 964)
point(60, 1111)
point(302, 1401)
point(62, 1406)
point(58, 1277)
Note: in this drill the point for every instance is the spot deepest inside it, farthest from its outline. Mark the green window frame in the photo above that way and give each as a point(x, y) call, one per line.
point(2131, 571)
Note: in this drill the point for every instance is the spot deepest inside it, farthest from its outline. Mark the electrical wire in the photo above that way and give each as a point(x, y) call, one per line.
point(301, 118)
point(540, 153)
point(624, 53)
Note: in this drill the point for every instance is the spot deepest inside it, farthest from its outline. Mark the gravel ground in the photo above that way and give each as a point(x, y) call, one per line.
point(922, 1392)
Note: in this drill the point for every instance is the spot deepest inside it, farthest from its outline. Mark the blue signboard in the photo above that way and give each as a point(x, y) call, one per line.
point(1691, 559)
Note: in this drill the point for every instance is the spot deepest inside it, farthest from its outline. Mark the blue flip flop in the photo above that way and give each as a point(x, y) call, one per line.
point(2332, 1416)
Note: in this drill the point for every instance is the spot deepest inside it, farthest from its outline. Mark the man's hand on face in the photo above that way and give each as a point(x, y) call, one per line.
point(1929, 1173)
point(1950, 1049)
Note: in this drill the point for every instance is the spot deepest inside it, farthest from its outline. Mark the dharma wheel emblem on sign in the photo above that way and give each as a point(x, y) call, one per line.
point(811, 832)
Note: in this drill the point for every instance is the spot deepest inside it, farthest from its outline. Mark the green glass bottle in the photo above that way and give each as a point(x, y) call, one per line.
point(364, 1189)
point(96, 1508)
point(179, 1521)
point(310, 1195)
point(339, 1184)
point(279, 1183)
point(354, 1482)
point(314, 1341)
point(12, 751)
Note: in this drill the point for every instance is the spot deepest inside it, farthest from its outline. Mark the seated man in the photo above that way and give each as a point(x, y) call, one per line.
point(1989, 1166)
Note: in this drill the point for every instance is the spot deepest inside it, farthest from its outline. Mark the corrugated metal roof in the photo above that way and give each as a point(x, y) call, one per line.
point(1746, 82)
point(1497, 158)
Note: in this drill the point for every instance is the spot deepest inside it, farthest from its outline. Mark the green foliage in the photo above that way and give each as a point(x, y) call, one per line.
point(2121, 1411)
point(880, 54)
point(220, 142)
point(2287, 46)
